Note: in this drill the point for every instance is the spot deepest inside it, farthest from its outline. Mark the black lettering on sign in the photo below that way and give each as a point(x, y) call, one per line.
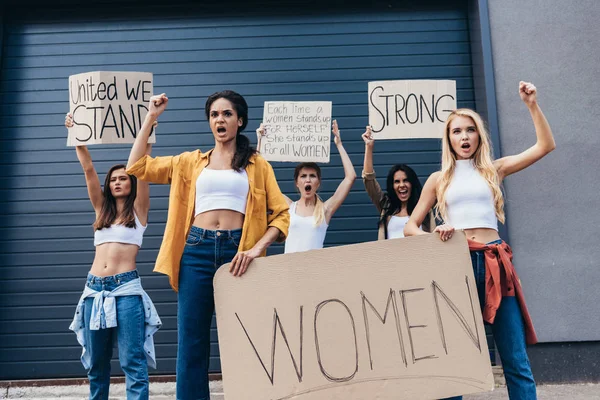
point(133, 91)
point(385, 117)
point(438, 102)
point(394, 303)
point(124, 120)
point(423, 106)
point(325, 373)
point(95, 129)
point(412, 109)
point(309, 150)
point(75, 122)
point(474, 336)
point(146, 93)
point(277, 324)
point(109, 112)
point(410, 327)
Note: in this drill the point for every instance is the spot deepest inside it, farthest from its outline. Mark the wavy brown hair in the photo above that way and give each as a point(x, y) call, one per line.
point(108, 213)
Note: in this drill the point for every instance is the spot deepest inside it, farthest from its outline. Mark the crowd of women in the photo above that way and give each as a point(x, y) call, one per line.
point(225, 206)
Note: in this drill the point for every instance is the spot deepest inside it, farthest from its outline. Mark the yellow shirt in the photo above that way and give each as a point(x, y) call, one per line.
point(265, 206)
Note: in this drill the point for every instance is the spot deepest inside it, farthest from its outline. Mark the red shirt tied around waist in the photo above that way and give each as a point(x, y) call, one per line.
point(501, 280)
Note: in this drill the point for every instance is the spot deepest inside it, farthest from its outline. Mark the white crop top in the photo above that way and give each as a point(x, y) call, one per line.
point(221, 189)
point(469, 199)
point(303, 235)
point(395, 228)
point(118, 233)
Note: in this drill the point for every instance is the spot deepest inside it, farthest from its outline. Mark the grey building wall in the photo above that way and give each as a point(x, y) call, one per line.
point(552, 206)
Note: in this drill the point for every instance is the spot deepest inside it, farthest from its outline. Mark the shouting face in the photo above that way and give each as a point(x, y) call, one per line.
point(464, 137)
point(224, 121)
point(308, 182)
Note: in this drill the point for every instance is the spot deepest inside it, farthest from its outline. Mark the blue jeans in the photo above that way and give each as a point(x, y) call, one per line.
point(129, 334)
point(509, 335)
point(205, 251)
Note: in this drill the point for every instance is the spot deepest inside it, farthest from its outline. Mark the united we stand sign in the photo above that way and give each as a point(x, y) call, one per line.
point(108, 107)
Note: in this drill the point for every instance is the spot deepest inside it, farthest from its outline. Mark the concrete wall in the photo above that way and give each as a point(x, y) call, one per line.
point(553, 206)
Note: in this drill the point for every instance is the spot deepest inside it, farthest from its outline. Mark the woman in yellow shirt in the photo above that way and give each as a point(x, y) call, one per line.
point(224, 206)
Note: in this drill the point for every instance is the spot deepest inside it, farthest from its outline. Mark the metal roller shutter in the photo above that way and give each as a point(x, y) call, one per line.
point(275, 52)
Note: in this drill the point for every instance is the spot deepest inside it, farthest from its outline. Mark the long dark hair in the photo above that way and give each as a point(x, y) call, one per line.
point(393, 204)
point(243, 150)
point(108, 214)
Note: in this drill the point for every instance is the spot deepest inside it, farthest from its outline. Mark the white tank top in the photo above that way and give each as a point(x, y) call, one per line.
point(395, 228)
point(118, 233)
point(469, 199)
point(303, 235)
point(221, 189)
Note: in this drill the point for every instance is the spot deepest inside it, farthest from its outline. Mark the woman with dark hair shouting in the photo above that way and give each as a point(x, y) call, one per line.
point(224, 205)
point(114, 304)
point(401, 196)
point(469, 197)
point(310, 216)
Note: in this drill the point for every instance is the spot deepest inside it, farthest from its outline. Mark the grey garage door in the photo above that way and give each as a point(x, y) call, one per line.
point(273, 51)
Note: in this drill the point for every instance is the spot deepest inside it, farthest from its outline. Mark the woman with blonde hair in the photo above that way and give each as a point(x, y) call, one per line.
point(469, 197)
point(310, 216)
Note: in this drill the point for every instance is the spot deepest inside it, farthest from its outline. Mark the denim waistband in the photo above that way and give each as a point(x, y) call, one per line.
point(219, 233)
point(118, 278)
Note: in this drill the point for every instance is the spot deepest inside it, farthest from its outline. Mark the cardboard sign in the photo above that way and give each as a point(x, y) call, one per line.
point(392, 319)
point(410, 109)
point(296, 131)
point(108, 107)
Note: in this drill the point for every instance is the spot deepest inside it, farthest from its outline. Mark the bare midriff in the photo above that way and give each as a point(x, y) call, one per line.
point(114, 258)
point(219, 220)
point(482, 235)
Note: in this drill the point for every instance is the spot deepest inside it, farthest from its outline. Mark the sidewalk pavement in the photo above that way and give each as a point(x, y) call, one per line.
point(166, 391)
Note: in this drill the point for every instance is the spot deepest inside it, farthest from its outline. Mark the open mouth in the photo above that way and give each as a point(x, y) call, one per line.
point(307, 188)
point(221, 129)
point(465, 146)
point(403, 192)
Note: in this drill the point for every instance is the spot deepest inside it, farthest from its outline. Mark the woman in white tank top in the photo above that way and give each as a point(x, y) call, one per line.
point(121, 209)
point(468, 196)
point(224, 207)
point(310, 216)
point(402, 193)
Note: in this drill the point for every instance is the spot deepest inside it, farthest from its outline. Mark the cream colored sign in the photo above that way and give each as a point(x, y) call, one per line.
point(108, 107)
point(392, 319)
point(410, 108)
point(296, 131)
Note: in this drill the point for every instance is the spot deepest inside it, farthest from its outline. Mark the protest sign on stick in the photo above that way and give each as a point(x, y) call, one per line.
point(296, 131)
point(108, 107)
point(407, 109)
point(392, 319)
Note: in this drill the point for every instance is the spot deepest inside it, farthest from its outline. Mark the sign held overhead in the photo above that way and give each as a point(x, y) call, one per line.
point(408, 109)
point(296, 131)
point(108, 107)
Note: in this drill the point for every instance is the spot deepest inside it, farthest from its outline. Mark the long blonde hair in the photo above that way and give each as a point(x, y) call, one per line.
point(319, 212)
point(482, 159)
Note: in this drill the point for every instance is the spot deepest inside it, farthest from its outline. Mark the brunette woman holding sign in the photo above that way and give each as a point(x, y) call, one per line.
point(113, 305)
point(224, 206)
point(310, 216)
point(401, 195)
point(468, 194)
